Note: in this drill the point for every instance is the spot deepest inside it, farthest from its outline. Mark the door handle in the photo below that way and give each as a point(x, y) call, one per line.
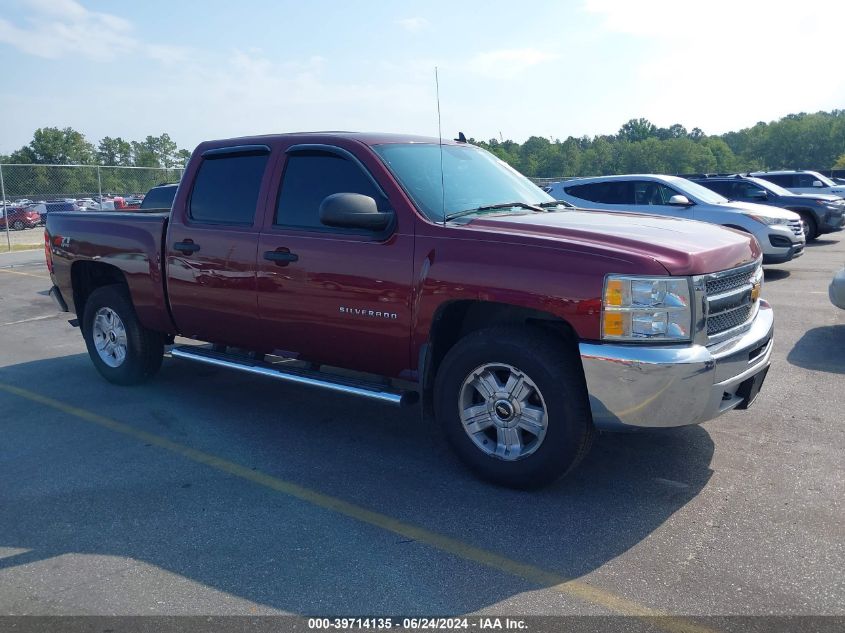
point(187, 247)
point(282, 257)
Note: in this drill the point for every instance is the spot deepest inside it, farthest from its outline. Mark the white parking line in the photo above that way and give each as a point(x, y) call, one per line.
point(38, 318)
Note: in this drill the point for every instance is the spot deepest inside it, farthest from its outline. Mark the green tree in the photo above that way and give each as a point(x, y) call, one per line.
point(114, 151)
point(54, 146)
point(637, 130)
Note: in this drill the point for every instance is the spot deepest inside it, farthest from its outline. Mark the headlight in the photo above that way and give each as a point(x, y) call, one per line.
point(765, 219)
point(646, 308)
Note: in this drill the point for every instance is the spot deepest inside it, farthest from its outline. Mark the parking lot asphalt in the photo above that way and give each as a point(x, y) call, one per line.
point(210, 492)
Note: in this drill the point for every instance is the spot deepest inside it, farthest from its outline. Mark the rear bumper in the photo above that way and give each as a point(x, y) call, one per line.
point(633, 386)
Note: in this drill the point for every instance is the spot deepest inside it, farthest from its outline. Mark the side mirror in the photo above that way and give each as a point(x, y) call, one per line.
point(758, 194)
point(353, 211)
point(680, 201)
point(818, 183)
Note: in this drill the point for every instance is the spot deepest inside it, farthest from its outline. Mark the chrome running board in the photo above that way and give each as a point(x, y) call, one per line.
point(308, 377)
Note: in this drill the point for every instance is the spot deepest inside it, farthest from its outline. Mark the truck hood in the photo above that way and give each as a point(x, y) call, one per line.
point(760, 209)
point(682, 247)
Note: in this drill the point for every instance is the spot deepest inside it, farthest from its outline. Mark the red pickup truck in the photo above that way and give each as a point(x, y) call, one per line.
point(392, 267)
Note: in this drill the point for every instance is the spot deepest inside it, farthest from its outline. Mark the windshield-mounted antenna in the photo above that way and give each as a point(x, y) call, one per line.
point(440, 143)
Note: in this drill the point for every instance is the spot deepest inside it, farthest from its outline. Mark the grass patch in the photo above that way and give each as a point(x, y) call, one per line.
point(20, 247)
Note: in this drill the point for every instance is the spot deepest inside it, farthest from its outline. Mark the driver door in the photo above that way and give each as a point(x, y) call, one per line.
point(333, 296)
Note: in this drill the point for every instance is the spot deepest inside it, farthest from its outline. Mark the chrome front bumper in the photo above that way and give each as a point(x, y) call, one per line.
point(634, 386)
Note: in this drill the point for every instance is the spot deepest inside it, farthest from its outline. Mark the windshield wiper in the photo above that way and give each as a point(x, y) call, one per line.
point(555, 203)
point(493, 207)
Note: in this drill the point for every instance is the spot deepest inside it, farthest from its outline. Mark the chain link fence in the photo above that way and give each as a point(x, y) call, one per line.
point(29, 187)
point(545, 182)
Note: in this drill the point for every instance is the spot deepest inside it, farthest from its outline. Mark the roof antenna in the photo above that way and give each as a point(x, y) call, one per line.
point(440, 143)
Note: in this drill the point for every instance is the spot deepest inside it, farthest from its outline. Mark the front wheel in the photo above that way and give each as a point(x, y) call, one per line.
point(513, 404)
point(123, 350)
point(18, 225)
point(809, 225)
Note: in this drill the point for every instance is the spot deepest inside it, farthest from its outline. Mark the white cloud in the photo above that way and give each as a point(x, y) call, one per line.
point(711, 65)
point(59, 28)
point(507, 63)
point(413, 24)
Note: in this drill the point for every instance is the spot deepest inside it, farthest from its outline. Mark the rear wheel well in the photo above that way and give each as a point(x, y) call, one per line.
point(88, 276)
point(456, 319)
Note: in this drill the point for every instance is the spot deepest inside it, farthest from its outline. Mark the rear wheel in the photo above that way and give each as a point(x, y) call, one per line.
point(18, 225)
point(123, 350)
point(513, 404)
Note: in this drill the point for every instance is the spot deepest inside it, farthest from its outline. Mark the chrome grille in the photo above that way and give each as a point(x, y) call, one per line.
point(728, 302)
point(728, 320)
point(796, 227)
point(719, 285)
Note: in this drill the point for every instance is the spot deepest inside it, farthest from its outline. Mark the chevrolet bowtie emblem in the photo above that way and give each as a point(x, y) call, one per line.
point(755, 291)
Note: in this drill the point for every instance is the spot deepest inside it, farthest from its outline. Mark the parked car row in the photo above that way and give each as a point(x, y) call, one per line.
point(19, 218)
point(781, 220)
point(779, 232)
point(820, 213)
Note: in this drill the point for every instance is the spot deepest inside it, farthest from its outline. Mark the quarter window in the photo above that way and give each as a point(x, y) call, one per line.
point(226, 188)
point(311, 176)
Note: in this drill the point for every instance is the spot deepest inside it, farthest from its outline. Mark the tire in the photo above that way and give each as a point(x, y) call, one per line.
point(109, 325)
point(552, 384)
point(18, 225)
point(811, 230)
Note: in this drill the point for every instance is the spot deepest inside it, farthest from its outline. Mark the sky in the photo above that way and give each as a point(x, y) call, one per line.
point(214, 69)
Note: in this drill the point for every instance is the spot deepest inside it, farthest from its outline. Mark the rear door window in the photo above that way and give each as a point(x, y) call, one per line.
point(612, 192)
point(226, 188)
point(719, 186)
point(159, 198)
point(784, 180)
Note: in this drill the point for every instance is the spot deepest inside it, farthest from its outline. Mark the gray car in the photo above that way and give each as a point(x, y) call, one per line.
point(820, 213)
point(779, 232)
point(801, 181)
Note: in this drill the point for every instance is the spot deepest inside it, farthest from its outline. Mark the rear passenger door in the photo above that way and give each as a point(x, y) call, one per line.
point(211, 248)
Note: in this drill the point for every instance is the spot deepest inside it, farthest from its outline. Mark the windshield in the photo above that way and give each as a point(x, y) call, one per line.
point(770, 186)
point(471, 178)
point(694, 189)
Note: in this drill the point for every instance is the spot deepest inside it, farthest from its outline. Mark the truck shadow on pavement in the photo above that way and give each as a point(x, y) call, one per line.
point(813, 349)
point(80, 488)
point(775, 274)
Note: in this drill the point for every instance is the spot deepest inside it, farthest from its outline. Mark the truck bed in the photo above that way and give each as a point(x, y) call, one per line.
point(112, 241)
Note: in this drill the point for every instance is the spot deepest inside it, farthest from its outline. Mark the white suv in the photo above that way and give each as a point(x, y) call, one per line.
point(779, 232)
point(802, 181)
